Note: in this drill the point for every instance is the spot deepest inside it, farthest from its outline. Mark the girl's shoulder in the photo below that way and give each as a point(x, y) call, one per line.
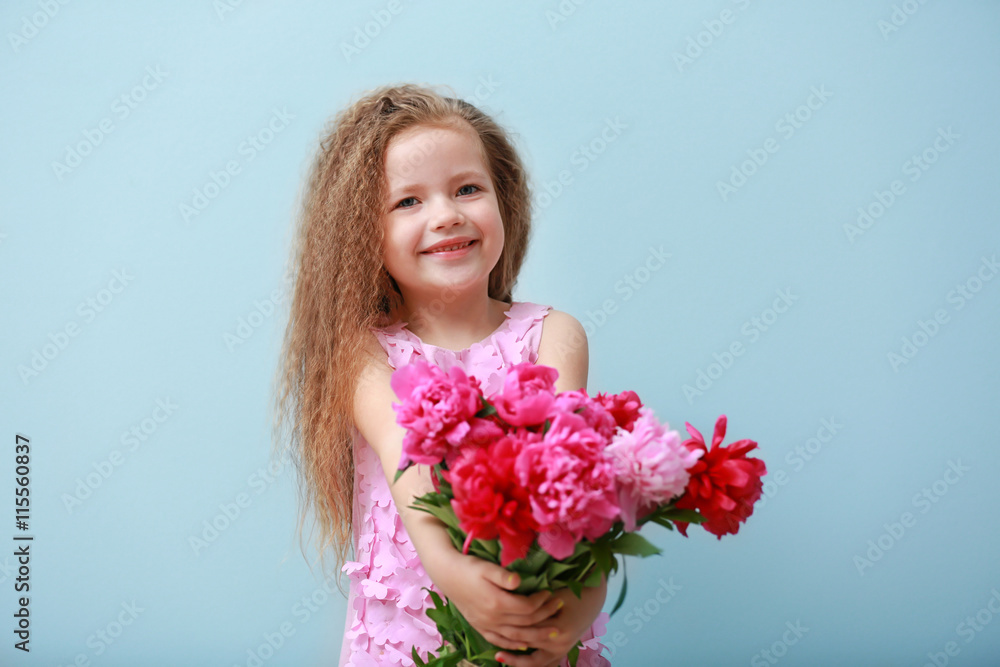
point(564, 346)
point(561, 326)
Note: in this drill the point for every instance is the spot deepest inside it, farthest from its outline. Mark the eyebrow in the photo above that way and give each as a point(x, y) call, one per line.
point(462, 175)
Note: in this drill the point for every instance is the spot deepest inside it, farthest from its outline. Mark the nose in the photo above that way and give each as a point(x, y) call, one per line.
point(445, 213)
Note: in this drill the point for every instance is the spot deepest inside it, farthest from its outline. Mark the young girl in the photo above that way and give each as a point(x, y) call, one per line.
point(414, 227)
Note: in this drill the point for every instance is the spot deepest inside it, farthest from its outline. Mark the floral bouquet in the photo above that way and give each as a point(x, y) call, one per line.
point(554, 486)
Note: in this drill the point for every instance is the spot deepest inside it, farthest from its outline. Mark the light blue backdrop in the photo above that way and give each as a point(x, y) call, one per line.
point(737, 140)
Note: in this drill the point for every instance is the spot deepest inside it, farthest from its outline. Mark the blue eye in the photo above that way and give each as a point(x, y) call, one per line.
point(402, 203)
point(467, 186)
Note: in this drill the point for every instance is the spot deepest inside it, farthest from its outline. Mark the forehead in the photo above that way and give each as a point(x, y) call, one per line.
point(422, 148)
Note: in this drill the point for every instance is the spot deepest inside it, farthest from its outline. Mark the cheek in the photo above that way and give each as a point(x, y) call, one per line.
point(398, 243)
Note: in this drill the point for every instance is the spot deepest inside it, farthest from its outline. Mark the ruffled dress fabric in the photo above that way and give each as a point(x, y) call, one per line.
point(386, 606)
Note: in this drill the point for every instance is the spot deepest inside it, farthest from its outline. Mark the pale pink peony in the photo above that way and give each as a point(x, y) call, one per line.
point(571, 485)
point(437, 410)
point(651, 466)
point(527, 395)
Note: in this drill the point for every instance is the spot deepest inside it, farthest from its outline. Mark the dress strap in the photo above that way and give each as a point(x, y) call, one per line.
point(513, 342)
point(399, 346)
point(526, 326)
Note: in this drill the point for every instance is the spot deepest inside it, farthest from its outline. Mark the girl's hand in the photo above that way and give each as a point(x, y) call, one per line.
point(482, 592)
point(561, 633)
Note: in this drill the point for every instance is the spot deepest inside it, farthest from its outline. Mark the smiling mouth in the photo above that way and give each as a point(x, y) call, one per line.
point(457, 246)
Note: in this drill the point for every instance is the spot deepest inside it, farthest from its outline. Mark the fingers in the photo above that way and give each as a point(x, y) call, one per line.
point(539, 658)
point(525, 609)
point(537, 637)
point(551, 607)
point(502, 641)
point(502, 577)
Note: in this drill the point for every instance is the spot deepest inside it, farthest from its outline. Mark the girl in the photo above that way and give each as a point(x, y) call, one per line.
point(413, 229)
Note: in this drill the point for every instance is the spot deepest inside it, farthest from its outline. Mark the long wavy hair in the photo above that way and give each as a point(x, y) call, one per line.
point(340, 287)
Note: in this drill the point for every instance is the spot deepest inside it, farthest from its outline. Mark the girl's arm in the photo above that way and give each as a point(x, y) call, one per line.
point(479, 589)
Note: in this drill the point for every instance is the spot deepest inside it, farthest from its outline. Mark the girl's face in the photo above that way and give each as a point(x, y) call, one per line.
point(439, 190)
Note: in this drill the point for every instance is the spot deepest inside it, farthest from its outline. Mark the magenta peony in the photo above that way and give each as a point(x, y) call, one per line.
point(651, 466)
point(527, 395)
point(570, 483)
point(592, 411)
point(436, 410)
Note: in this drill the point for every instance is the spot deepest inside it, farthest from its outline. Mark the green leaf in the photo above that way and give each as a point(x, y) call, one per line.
point(594, 579)
point(621, 595)
point(602, 555)
point(492, 547)
point(399, 473)
point(574, 653)
point(457, 537)
point(487, 410)
point(690, 516)
point(663, 522)
point(555, 568)
point(445, 513)
point(634, 544)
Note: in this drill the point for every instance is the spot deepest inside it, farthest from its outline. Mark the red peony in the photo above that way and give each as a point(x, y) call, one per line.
point(489, 502)
point(724, 483)
point(624, 407)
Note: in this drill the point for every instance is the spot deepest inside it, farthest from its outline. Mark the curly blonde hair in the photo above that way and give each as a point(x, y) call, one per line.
point(341, 287)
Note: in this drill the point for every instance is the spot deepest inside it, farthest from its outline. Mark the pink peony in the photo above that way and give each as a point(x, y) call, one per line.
point(571, 485)
point(527, 395)
point(437, 410)
point(651, 466)
point(592, 411)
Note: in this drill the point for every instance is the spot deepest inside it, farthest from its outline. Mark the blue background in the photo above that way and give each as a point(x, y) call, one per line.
point(823, 553)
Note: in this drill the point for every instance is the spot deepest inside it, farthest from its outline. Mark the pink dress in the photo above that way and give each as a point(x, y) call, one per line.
point(386, 604)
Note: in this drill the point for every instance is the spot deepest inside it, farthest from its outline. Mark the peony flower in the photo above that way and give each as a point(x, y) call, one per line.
point(527, 395)
point(488, 502)
point(651, 466)
point(624, 407)
point(570, 484)
point(724, 483)
point(592, 411)
point(437, 410)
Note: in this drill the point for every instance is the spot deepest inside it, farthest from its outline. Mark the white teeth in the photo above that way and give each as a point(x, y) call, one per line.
point(451, 247)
